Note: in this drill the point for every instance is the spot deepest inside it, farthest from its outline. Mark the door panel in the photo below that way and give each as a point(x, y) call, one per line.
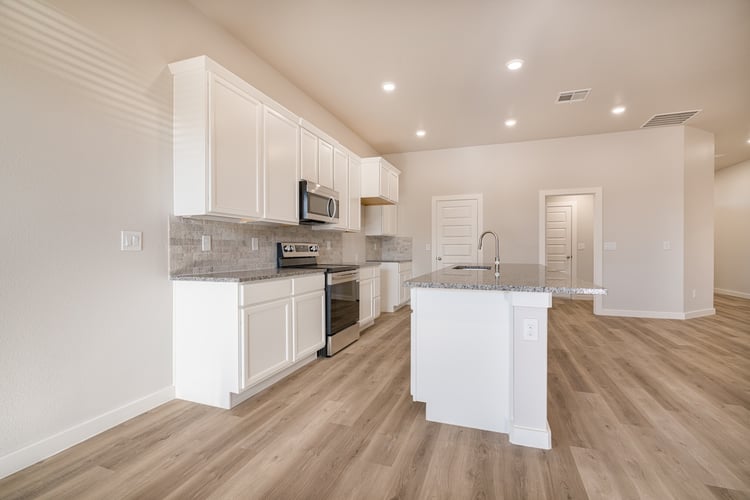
point(558, 244)
point(457, 232)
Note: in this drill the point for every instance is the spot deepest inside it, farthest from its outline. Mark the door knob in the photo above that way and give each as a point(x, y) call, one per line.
point(439, 258)
point(569, 257)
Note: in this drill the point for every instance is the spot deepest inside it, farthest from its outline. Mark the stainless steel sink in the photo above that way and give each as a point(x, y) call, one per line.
point(472, 268)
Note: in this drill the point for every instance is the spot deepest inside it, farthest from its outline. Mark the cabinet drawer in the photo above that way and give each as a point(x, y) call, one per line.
point(257, 293)
point(309, 284)
point(366, 273)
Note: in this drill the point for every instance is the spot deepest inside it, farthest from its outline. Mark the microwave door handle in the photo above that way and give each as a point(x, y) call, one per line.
point(331, 207)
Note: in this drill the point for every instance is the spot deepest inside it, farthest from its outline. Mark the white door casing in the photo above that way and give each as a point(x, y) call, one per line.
point(597, 194)
point(456, 222)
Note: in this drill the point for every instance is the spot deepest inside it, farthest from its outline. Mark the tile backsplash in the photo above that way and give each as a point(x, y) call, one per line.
point(389, 247)
point(231, 245)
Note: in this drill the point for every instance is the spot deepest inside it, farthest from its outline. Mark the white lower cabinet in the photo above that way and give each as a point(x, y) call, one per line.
point(369, 295)
point(309, 323)
point(393, 292)
point(232, 340)
point(266, 335)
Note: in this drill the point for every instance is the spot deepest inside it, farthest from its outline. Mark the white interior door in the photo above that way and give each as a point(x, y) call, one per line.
point(455, 230)
point(558, 245)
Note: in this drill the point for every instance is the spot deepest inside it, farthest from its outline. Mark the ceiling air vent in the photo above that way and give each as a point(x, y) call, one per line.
point(667, 119)
point(573, 95)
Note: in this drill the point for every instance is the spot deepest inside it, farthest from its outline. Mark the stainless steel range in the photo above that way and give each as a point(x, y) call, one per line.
point(342, 293)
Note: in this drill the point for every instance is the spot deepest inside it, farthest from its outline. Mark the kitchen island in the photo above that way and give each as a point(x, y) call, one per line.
point(479, 348)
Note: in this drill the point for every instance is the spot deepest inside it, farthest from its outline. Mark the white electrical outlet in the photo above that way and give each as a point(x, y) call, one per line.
point(530, 329)
point(254, 244)
point(206, 243)
point(610, 245)
point(131, 241)
point(328, 245)
point(693, 292)
point(666, 245)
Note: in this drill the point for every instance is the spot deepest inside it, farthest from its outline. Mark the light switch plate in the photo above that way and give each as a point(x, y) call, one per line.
point(610, 245)
point(131, 241)
point(254, 244)
point(206, 243)
point(667, 245)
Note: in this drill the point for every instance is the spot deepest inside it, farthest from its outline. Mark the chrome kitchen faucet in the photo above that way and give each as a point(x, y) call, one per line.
point(497, 250)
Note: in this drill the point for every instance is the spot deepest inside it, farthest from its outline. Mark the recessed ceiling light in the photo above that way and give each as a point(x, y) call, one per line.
point(510, 122)
point(421, 133)
point(389, 86)
point(514, 64)
point(618, 110)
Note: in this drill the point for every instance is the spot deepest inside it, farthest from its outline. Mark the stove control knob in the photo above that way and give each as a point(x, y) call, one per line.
point(313, 248)
point(288, 248)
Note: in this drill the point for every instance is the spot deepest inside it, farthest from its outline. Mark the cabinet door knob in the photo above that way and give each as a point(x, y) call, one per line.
point(439, 258)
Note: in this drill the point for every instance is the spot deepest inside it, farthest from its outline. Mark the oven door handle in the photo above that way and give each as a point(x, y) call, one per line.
point(337, 278)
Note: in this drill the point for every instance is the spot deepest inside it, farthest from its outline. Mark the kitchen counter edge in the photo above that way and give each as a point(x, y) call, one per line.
point(247, 276)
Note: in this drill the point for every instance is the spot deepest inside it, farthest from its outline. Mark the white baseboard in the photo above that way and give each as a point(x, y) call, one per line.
point(700, 313)
point(533, 438)
point(732, 293)
point(33, 453)
point(626, 313)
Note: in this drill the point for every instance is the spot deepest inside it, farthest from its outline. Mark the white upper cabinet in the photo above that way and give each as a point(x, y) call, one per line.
point(379, 182)
point(325, 164)
point(341, 185)
point(281, 166)
point(355, 207)
point(236, 151)
point(308, 155)
point(316, 155)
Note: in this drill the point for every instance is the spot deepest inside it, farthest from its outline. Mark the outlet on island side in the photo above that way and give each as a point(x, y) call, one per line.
point(530, 329)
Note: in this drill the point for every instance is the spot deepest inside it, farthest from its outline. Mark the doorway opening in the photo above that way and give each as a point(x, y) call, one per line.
point(570, 237)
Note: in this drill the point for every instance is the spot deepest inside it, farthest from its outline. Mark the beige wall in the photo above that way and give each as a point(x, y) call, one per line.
point(641, 176)
point(86, 151)
point(732, 215)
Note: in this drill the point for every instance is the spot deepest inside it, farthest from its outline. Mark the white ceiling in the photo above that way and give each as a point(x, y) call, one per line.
point(447, 58)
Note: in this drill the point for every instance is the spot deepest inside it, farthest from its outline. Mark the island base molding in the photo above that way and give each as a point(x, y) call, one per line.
point(479, 360)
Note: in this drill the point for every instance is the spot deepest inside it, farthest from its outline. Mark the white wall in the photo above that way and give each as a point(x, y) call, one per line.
point(641, 176)
point(85, 151)
point(732, 219)
point(699, 223)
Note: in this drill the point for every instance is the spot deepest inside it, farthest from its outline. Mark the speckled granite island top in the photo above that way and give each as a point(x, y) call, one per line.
point(245, 276)
point(513, 278)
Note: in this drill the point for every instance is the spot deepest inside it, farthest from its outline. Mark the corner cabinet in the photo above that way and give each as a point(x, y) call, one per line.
point(232, 340)
point(236, 151)
point(380, 182)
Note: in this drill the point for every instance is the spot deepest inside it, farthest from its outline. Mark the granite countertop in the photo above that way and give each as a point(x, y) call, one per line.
point(245, 276)
point(389, 260)
point(369, 263)
point(513, 278)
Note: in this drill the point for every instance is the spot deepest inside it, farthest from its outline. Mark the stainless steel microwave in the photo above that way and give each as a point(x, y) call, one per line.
point(317, 204)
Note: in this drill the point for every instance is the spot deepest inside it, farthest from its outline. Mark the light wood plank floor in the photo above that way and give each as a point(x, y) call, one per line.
point(638, 409)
